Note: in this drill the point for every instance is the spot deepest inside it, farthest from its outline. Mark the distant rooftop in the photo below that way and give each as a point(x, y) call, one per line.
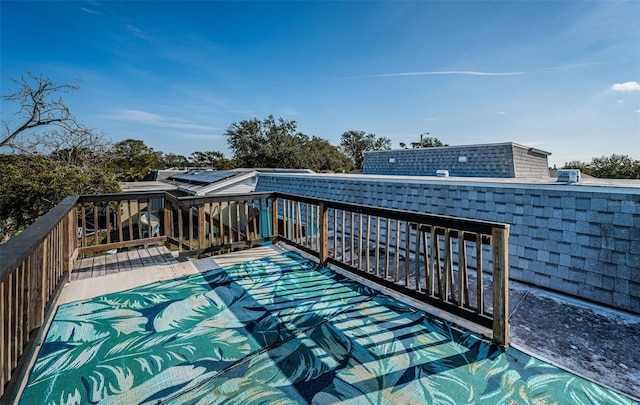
point(502, 160)
point(590, 182)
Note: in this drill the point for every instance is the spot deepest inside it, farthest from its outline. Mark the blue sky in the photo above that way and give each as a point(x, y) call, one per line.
point(561, 76)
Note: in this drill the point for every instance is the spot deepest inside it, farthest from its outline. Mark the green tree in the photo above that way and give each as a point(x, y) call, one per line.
point(278, 144)
point(354, 143)
point(615, 167)
point(53, 155)
point(213, 159)
point(173, 160)
point(34, 184)
point(576, 164)
point(428, 142)
point(322, 156)
point(608, 167)
point(133, 160)
point(265, 143)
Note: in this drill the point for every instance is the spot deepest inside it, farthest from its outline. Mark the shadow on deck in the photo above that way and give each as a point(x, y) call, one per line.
point(270, 326)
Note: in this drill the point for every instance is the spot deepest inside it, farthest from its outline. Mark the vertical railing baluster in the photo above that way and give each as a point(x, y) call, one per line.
point(435, 261)
point(180, 229)
point(407, 252)
point(238, 222)
point(83, 212)
point(324, 233)
point(427, 263)
point(463, 288)
point(139, 212)
point(108, 222)
point(221, 231)
point(119, 219)
point(316, 224)
point(368, 266)
point(308, 220)
point(479, 276)
point(211, 225)
point(378, 246)
point(190, 227)
point(352, 237)
point(254, 213)
point(335, 233)
point(202, 238)
point(417, 256)
point(448, 266)
point(387, 248)
point(130, 212)
point(342, 233)
point(230, 215)
point(360, 225)
point(96, 229)
point(275, 229)
point(396, 274)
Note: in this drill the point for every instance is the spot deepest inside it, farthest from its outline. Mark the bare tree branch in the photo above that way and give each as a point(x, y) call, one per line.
point(40, 106)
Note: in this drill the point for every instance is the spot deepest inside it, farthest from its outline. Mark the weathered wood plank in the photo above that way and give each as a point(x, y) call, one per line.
point(111, 264)
point(500, 239)
point(99, 266)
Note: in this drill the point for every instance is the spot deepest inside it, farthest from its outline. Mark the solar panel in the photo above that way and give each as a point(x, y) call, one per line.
point(205, 176)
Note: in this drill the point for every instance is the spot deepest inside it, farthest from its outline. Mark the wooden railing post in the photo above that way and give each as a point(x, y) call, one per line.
point(202, 241)
point(274, 216)
point(500, 247)
point(168, 225)
point(324, 232)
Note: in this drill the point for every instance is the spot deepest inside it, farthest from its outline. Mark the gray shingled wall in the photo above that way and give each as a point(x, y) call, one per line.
point(493, 160)
point(580, 240)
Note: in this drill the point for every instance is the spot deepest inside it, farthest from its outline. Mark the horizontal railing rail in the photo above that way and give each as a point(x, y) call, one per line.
point(33, 267)
point(205, 225)
point(116, 221)
point(456, 264)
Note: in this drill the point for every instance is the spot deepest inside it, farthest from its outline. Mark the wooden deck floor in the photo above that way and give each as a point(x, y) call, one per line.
point(124, 261)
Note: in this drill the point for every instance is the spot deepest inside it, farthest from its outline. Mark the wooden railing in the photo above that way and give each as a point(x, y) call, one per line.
point(207, 225)
point(116, 221)
point(33, 267)
point(458, 265)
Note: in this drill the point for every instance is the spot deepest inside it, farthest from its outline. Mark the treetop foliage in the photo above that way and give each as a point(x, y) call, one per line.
point(608, 167)
point(272, 143)
point(354, 143)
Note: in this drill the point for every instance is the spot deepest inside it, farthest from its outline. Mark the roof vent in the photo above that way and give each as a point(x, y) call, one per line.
point(568, 176)
point(442, 173)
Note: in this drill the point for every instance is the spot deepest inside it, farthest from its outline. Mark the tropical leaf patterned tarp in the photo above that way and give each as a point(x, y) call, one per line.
point(280, 330)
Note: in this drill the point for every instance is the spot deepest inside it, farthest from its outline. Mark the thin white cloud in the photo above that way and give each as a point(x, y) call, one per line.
point(430, 119)
point(436, 73)
point(574, 65)
point(473, 72)
point(502, 113)
point(86, 10)
point(137, 32)
point(627, 86)
point(202, 136)
point(288, 111)
point(156, 120)
point(637, 111)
